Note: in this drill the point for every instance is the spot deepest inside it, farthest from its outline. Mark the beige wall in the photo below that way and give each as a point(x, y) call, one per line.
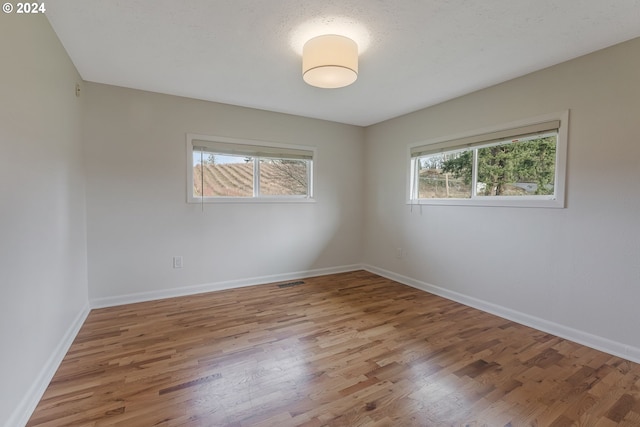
point(138, 218)
point(43, 268)
point(575, 271)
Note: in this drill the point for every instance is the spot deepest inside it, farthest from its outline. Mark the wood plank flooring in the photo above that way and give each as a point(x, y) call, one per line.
point(351, 349)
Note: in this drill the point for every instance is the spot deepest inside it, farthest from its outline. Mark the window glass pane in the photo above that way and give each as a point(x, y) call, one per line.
point(222, 175)
point(445, 175)
point(282, 177)
point(518, 168)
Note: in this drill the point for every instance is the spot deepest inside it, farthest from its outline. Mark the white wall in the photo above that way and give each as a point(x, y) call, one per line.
point(138, 218)
point(576, 269)
point(43, 268)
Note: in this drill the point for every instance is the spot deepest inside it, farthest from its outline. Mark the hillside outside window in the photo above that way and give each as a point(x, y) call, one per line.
point(225, 169)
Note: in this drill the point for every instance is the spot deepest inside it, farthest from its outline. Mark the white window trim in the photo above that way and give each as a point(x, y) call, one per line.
point(552, 201)
point(191, 141)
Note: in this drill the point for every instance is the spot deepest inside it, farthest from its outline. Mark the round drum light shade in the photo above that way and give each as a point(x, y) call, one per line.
point(330, 61)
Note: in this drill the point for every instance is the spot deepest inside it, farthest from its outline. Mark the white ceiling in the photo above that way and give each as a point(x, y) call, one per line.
point(416, 53)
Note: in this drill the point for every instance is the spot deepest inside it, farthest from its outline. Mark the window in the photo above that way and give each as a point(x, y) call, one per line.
point(522, 165)
point(226, 169)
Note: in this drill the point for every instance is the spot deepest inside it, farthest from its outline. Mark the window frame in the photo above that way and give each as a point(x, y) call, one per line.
point(462, 141)
point(256, 149)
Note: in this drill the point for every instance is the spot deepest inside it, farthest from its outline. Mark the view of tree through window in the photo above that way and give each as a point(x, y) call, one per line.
point(436, 182)
point(509, 168)
point(283, 177)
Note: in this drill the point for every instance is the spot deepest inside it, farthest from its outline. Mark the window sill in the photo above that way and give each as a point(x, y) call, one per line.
point(493, 202)
point(245, 200)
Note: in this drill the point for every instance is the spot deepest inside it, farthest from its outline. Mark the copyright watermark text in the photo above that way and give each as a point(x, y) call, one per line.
point(24, 8)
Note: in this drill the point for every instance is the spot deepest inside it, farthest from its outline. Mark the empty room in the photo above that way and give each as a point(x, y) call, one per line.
point(321, 213)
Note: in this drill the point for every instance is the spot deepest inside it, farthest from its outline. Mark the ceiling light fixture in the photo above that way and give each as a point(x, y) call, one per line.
point(330, 61)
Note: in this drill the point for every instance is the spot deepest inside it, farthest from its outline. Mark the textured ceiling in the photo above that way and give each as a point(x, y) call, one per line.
point(415, 53)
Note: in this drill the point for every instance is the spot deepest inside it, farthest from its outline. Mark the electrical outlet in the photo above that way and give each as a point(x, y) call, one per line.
point(177, 262)
point(399, 253)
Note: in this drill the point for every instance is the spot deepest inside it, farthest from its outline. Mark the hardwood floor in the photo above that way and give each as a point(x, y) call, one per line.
point(350, 349)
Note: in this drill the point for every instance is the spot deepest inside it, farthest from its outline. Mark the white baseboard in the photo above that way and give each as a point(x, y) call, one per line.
point(217, 286)
point(27, 405)
point(581, 337)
